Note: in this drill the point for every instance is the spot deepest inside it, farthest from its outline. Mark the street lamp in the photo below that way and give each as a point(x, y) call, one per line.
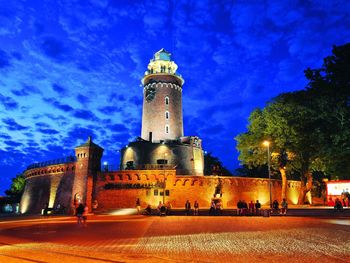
point(105, 164)
point(267, 144)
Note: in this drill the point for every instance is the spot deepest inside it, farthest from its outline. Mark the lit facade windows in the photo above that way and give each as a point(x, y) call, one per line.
point(166, 100)
point(167, 129)
point(167, 115)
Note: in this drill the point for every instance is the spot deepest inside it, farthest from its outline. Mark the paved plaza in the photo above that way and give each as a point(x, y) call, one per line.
point(175, 239)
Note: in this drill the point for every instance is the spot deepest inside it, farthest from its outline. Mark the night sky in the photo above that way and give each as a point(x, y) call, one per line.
point(70, 69)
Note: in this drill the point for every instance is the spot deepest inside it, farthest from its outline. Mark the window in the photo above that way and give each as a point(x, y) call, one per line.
point(167, 115)
point(166, 128)
point(167, 192)
point(166, 100)
point(162, 161)
point(156, 192)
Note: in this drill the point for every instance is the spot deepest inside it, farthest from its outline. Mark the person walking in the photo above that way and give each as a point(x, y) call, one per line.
point(187, 207)
point(79, 213)
point(138, 206)
point(85, 213)
point(196, 208)
point(284, 206)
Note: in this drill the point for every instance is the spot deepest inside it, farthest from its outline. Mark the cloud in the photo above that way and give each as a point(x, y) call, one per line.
point(13, 143)
point(4, 59)
point(85, 114)
point(8, 102)
point(81, 133)
point(83, 99)
point(58, 105)
point(59, 89)
point(47, 131)
point(26, 91)
point(12, 125)
point(54, 48)
point(110, 109)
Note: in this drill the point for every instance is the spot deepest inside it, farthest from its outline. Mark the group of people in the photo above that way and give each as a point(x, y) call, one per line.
point(255, 208)
point(248, 209)
point(162, 209)
point(284, 207)
point(188, 210)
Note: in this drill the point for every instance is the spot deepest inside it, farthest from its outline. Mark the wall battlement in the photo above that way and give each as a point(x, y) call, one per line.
point(122, 188)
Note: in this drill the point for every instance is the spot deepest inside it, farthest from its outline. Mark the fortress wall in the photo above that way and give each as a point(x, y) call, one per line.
point(126, 197)
point(50, 184)
point(182, 188)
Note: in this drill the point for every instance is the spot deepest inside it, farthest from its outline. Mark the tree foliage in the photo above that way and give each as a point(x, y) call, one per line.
point(17, 186)
point(310, 128)
point(213, 166)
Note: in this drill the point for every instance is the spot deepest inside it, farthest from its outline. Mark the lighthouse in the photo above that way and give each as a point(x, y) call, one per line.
point(162, 100)
point(162, 144)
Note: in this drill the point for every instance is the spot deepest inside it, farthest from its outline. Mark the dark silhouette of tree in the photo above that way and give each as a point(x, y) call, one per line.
point(213, 166)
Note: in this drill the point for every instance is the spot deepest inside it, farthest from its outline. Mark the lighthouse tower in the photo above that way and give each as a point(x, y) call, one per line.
point(162, 100)
point(162, 144)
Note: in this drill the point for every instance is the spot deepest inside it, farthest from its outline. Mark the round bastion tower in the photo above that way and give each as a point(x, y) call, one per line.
point(162, 100)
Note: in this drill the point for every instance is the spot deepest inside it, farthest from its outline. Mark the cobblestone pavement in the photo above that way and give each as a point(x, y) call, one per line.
point(176, 239)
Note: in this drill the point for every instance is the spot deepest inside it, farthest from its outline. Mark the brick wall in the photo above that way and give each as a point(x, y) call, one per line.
point(182, 188)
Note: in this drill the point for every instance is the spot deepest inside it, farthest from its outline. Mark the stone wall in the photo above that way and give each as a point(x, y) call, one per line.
point(50, 184)
point(122, 188)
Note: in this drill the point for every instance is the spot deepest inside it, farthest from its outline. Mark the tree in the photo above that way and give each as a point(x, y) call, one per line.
point(311, 126)
point(213, 166)
point(17, 186)
point(330, 86)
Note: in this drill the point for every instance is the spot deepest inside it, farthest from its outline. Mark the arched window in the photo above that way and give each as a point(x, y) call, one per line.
point(166, 100)
point(166, 128)
point(167, 115)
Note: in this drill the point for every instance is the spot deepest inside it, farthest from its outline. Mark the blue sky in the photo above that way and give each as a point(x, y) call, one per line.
point(70, 69)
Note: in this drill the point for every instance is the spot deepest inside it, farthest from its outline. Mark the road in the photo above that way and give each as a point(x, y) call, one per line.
point(175, 239)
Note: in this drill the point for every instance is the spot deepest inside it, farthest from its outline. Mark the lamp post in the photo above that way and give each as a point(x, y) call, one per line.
point(267, 144)
point(105, 166)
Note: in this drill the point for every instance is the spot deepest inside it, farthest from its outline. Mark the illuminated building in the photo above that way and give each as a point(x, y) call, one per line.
point(162, 165)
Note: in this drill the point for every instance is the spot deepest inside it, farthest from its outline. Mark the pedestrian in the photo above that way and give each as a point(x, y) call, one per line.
point(257, 207)
point(159, 207)
point(239, 207)
point(196, 208)
point(284, 206)
point(85, 213)
point(251, 208)
point(275, 207)
point(138, 206)
point(79, 213)
point(244, 207)
point(187, 208)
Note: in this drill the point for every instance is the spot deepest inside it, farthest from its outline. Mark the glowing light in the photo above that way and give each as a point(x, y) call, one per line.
point(266, 143)
point(105, 163)
point(337, 188)
point(124, 211)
